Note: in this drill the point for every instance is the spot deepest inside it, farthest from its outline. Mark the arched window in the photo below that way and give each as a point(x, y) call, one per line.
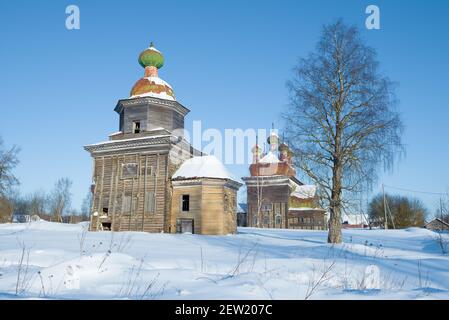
point(254, 221)
point(278, 220)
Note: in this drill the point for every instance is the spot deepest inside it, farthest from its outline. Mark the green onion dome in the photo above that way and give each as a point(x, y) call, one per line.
point(151, 57)
point(151, 85)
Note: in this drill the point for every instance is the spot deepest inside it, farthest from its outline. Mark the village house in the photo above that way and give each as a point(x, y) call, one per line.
point(147, 177)
point(354, 221)
point(437, 225)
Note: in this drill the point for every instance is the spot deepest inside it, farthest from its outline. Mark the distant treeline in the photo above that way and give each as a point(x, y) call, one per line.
point(52, 206)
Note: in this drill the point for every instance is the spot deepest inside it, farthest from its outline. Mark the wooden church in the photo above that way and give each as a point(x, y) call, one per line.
point(147, 177)
point(276, 198)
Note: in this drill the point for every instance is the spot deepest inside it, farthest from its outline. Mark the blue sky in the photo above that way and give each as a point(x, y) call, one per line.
point(227, 61)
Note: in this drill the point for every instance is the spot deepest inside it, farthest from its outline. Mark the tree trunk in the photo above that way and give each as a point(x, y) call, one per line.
point(334, 235)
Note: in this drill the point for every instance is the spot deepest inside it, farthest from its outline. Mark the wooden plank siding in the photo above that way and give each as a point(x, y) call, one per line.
point(213, 210)
point(195, 193)
point(273, 195)
point(212, 205)
point(276, 196)
point(135, 113)
point(111, 189)
point(151, 116)
point(307, 219)
point(230, 211)
point(157, 153)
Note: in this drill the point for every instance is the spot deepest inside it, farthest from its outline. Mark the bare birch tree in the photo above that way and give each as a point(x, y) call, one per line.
point(260, 199)
point(8, 161)
point(87, 204)
point(341, 122)
point(444, 208)
point(37, 201)
point(60, 198)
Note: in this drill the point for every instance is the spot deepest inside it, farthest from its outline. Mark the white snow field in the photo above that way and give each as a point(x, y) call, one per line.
point(42, 260)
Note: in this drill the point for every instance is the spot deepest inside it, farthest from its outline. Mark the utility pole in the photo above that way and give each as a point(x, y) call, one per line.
point(385, 207)
point(441, 208)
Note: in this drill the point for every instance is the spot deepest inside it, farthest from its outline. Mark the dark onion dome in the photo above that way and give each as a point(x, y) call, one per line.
point(151, 85)
point(151, 57)
point(283, 147)
point(256, 149)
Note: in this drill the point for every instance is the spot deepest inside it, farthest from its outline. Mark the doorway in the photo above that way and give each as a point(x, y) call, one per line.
point(184, 226)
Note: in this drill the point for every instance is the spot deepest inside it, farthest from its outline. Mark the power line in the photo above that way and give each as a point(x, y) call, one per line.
point(415, 191)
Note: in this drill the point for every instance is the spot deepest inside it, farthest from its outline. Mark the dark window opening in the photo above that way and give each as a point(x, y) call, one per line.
point(185, 202)
point(136, 126)
point(105, 210)
point(106, 226)
point(184, 226)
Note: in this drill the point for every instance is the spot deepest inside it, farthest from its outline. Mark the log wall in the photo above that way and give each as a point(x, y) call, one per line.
point(213, 206)
point(112, 190)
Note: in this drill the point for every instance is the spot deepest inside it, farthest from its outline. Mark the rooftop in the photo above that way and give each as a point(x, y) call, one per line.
point(203, 167)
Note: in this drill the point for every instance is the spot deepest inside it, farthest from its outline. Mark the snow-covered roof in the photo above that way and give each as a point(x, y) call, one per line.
point(439, 220)
point(130, 139)
point(240, 209)
point(274, 133)
point(270, 158)
point(304, 192)
point(153, 48)
point(203, 167)
point(304, 209)
point(160, 93)
point(353, 218)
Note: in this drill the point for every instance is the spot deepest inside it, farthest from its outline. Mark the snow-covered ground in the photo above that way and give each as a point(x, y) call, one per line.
point(254, 264)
